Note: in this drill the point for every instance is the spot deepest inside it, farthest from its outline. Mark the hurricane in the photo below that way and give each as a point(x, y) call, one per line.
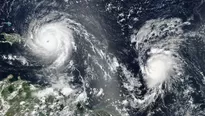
point(52, 40)
point(161, 65)
point(70, 57)
point(161, 46)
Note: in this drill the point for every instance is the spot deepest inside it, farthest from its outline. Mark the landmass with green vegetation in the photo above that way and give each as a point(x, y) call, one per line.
point(21, 98)
point(11, 38)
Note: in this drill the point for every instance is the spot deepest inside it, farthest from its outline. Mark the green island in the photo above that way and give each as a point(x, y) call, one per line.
point(11, 38)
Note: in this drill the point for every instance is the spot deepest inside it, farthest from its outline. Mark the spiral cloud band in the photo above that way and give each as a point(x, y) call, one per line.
point(51, 41)
point(158, 43)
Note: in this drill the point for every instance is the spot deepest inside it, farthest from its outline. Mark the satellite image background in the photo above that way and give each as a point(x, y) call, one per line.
point(102, 58)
